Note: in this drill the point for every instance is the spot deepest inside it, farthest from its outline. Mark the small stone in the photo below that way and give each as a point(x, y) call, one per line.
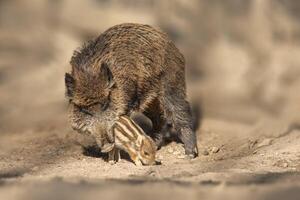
point(215, 150)
point(181, 156)
point(160, 157)
point(112, 162)
point(170, 150)
point(20, 158)
point(285, 165)
point(176, 152)
point(158, 162)
point(205, 152)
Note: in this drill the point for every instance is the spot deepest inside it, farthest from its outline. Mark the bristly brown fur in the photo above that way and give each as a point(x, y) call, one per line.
point(130, 67)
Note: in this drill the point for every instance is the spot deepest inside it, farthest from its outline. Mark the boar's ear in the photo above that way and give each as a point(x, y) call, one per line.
point(106, 74)
point(69, 82)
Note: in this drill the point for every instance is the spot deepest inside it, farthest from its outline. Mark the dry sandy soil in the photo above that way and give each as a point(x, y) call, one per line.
point(241, 157)
point(47, 162)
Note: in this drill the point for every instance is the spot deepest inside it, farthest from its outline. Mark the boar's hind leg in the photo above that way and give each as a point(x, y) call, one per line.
point(177, 112)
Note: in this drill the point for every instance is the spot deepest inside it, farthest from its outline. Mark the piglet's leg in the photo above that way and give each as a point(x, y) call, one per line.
point(137, 162)
point(134, 157)
point(114, 156)
point(117, 155)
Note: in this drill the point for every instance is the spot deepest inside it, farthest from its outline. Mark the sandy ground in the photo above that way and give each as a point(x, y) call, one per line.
point(48, 162)
point(41, 157)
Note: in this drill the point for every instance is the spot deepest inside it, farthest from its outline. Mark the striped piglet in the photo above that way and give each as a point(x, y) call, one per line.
point(129, 137)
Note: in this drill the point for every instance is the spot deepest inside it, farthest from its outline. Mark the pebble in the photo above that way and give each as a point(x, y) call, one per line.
point(20, 158)
point(160, 157)
point(170, 150)
point(285, 165)
point(176, 152)
point(111, 162)
point(215, 149)
point(205, 152)
point(181, 156)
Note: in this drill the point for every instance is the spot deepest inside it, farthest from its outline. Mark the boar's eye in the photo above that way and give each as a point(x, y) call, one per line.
point(104, 105)
point(85, 111)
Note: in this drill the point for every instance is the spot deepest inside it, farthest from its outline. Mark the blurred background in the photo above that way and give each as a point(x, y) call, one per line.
point(242, 66)
point(238, 52)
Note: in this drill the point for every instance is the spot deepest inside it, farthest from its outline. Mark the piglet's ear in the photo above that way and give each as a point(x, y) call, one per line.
point(142, 121)
point(70, 83)
point(106, 75)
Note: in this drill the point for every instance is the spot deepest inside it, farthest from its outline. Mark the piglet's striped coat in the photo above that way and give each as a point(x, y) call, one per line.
point(131, 138)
